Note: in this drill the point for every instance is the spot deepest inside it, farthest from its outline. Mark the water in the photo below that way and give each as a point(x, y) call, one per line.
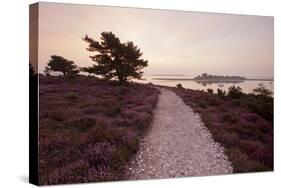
point(247, 85)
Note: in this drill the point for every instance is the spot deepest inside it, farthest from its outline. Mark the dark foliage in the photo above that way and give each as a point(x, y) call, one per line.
point(60, 64)
point(234, 92)
point(179, 86)
point(262, 105)
point(115, 59)
point(262, 91)
point(89, 70)
point(221, 93)
point(209, 90)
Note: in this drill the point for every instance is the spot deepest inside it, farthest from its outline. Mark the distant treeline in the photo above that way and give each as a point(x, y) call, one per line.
point(206, 76)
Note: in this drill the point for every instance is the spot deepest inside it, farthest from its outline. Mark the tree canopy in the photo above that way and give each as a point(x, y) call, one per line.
point(60, 64)
point(114, 59)
point(89, 70)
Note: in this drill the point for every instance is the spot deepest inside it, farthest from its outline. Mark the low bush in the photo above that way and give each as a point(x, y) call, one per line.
point(209, 90)
point(262, 91)
point(221, 93)
point(179, 86)
point(261, 105)
point(234, 92)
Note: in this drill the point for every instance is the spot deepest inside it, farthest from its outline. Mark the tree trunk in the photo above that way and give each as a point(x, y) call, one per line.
point(120, 78)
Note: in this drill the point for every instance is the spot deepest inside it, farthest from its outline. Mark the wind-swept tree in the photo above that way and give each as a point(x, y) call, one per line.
point(89, 70)
point(60, 64)
point(115, 59)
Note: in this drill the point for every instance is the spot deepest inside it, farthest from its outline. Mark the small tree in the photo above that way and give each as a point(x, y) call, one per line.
point(60, 64)
point(262, 91)
point(115, 59)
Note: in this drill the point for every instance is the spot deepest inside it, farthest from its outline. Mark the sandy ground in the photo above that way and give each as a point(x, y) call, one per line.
point(178, 144)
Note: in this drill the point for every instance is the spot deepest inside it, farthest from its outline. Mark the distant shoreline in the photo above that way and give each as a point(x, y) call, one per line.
point(212, 80)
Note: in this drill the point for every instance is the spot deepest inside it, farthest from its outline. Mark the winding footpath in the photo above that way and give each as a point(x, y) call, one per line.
point(178, 144)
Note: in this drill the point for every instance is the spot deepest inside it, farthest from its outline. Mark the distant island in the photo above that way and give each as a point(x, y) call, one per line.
point(209, 77)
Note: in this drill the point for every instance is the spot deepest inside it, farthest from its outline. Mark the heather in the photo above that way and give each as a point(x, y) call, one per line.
point(90, 128)
point(242, 123)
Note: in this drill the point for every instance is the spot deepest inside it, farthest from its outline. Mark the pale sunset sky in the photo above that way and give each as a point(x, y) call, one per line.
point(173, 42)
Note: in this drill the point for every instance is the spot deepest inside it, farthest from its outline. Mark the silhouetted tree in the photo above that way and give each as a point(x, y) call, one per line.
point(89, 70)
point(60, 64)
point(115, 59)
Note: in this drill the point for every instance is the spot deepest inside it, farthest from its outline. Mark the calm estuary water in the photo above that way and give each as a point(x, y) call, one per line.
point(247, 85)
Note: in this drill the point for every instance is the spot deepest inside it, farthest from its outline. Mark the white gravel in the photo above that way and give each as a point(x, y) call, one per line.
point(178, 144)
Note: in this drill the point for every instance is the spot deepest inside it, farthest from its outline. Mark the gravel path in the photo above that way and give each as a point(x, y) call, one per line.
point(177, 145)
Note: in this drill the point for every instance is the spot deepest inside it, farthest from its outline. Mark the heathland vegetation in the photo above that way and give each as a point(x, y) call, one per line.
point(242, 123)
point(91, 126)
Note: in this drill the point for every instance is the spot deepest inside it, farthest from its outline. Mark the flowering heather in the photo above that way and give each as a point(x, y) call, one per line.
point(90, 128)
point(243, 125)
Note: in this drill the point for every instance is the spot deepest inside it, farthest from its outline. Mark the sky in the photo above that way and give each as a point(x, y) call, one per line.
point(173, 42)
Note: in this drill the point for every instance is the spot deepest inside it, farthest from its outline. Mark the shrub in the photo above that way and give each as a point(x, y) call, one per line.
point(209, 90)
point(179, 86)
point(262, 91)
point(261, 105)
point(221, 93)
point(234, 92)
point(71, 96)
